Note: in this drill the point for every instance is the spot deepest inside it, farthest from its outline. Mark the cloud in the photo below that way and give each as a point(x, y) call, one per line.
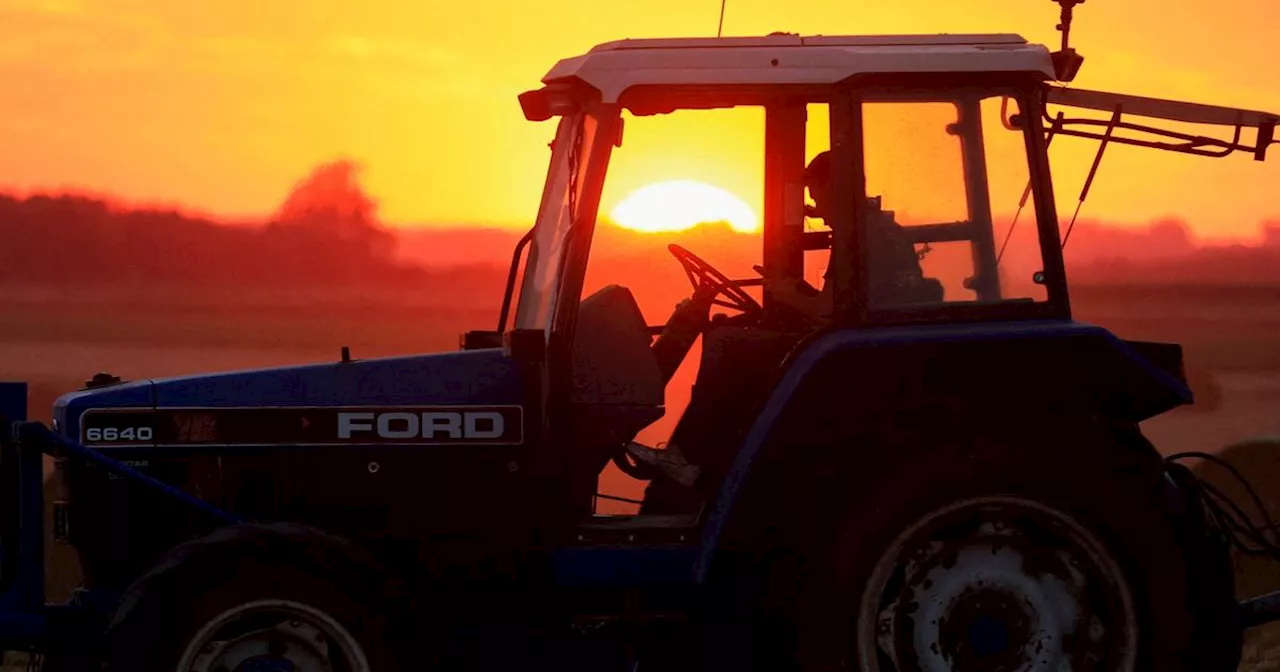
point(45, 7)
point(394, 52)
point(1199, 83)
point(89, 43)
point(72, 37)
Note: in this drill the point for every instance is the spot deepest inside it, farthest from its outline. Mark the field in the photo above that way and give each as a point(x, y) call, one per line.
point(55, 340)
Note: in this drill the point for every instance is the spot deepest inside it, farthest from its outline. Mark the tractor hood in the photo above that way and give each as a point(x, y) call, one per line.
point(68, 408)
point(473, 378)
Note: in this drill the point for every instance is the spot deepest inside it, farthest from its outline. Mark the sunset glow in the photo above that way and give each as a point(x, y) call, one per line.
point(222, 106)
point(682, 204)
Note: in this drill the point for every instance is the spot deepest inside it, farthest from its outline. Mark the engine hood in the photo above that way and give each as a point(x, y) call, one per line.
point(68, 408)
point(475, 377)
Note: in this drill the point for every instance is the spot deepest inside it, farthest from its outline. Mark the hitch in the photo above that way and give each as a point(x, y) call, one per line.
point(1236, 526)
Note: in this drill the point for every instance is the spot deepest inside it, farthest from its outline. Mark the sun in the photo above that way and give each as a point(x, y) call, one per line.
point(677, 205)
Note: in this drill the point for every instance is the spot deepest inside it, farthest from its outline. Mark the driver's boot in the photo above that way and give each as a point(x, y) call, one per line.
point(670, 460)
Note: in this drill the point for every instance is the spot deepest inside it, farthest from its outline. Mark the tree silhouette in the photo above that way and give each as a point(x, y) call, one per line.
point(331, 202)
point(325, 233)
point(1271, 233)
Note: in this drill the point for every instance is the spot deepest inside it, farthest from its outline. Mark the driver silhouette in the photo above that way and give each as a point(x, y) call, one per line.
point(895, 273)
point(794, 292)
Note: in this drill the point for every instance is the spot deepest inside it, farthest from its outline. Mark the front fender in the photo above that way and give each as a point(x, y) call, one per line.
point(845, 376)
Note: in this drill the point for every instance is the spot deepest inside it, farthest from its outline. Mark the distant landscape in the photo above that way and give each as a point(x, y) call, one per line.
point(89, 285)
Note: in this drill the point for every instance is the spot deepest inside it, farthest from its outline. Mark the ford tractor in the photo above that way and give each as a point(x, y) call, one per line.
point(901, 451)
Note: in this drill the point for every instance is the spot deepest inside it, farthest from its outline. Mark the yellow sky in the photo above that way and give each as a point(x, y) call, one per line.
point(221, 106)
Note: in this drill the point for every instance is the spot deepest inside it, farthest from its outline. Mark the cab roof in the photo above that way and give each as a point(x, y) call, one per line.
point(613, 67)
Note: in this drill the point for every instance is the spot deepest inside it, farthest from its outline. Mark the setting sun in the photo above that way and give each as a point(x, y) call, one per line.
point(682, 204)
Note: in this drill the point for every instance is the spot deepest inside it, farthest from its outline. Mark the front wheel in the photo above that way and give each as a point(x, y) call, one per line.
point(1059, 553)
point(253, 599)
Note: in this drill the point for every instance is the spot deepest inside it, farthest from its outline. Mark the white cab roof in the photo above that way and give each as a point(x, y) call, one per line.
point(614, 67)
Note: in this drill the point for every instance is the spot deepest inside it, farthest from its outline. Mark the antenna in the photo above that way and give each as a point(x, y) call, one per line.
point(720, 27)
point(1064, 25)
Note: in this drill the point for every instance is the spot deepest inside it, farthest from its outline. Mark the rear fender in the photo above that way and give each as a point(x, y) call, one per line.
point(850, 383)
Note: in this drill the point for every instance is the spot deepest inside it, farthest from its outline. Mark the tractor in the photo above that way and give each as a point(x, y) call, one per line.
point(924, 464)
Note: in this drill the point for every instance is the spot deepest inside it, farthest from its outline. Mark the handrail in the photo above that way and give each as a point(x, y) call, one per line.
point(511, 280)
point(1157, 108)
point(1169, 110)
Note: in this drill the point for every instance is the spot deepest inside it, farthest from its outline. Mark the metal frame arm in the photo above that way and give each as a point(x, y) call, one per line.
point(36, 435)
point(1169, 110)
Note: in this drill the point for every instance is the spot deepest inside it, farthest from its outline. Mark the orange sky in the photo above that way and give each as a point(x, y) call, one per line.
point(222, 106)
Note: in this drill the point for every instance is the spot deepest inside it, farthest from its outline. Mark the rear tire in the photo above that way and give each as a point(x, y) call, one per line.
point(247, 598)
point(897, 593)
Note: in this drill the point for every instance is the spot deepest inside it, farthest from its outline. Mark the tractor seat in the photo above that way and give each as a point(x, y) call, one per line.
point(617, 387)
point(613, 363)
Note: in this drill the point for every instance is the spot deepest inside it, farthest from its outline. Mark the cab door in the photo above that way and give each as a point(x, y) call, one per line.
point(541, 340)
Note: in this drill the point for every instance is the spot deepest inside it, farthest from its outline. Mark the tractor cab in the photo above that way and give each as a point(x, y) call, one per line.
point(910, 139)
point(905, 185)
point(891, 171)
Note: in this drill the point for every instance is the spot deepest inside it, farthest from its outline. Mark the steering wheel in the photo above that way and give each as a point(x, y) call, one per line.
point(706, 280)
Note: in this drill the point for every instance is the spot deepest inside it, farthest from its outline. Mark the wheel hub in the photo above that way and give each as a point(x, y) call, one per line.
point(997, 585)
point(988, 636)
point(273, 636)
point(986, 627)
point(266, 664)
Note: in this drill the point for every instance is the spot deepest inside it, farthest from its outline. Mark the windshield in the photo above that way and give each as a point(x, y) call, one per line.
point(555, 217)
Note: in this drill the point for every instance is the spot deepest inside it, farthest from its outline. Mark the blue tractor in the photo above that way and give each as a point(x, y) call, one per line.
point(917, 466)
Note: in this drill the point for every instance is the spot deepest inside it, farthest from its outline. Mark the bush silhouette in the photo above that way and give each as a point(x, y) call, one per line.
point(325, 233)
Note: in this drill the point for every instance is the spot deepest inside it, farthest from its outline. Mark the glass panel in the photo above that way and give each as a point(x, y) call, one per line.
point(915, 177)
point(542, 272)
point(944, 180)
point(913, 164)
point(951, 265)
point(694, 178)
point(1013, 204)
point(817, 142)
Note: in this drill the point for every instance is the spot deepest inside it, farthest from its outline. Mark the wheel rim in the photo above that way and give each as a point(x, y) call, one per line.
point(273, 636)
point(998, 584)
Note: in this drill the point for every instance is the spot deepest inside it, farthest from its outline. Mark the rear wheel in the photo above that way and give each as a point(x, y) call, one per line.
point(1059, 553)
point(996, 583)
